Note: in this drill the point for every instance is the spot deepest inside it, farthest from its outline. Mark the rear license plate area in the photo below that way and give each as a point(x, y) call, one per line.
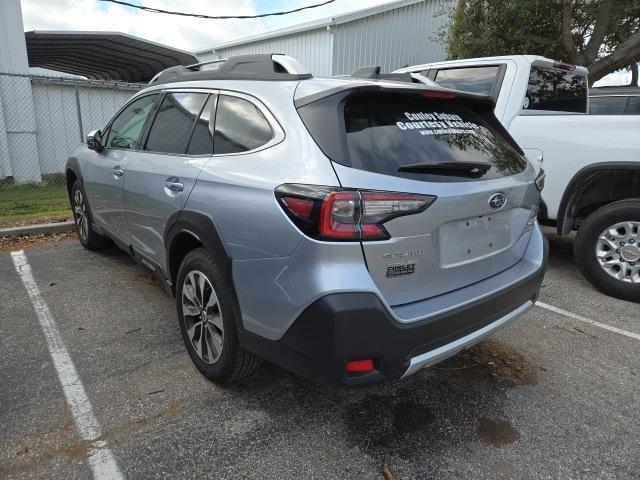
point(472, 239)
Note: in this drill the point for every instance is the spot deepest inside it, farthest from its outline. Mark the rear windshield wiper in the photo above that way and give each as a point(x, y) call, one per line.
point(461, 169)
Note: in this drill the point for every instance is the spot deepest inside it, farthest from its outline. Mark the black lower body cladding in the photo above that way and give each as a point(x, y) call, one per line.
point(342, 327)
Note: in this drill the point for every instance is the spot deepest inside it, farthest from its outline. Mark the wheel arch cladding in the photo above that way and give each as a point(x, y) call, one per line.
point(187, 230)
point(72, 173)
point(615, 181)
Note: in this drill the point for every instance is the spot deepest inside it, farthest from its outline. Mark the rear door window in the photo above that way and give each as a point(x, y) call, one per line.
point(174, 122)
point(388, 133)
point(557, 90)
point(201, 142)
point(240, 126)
point(471, 79)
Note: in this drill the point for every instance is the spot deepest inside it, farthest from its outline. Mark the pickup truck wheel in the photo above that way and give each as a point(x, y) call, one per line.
point(88, 237)
point(207, 320)
point(607, 249)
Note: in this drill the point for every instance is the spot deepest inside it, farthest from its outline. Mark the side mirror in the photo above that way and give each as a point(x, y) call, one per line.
point(94, 140)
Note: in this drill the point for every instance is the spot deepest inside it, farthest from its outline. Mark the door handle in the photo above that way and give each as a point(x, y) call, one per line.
point(174, 186)
point(118, 172)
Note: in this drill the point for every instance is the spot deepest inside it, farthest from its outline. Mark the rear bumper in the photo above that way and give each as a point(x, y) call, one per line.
point(341, 327)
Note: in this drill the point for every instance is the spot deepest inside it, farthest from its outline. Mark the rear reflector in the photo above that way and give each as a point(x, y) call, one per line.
point(360, 366)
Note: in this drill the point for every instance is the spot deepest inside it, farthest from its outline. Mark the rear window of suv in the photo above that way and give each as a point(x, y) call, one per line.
point(404, 135)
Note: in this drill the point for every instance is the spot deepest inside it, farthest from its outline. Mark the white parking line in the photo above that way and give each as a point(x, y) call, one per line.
point(103, 463)
point(580, 318)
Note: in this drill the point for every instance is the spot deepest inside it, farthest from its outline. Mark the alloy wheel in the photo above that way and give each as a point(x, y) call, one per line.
point(202, 316)
point(618, 251)
point(80, 210)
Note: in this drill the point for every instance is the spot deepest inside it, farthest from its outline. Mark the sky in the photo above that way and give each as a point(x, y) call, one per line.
point(179, 32)
point(192, 33)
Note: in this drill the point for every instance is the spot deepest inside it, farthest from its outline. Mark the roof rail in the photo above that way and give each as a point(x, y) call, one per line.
point(196, 66)
point(270, 66)
point(373, 72)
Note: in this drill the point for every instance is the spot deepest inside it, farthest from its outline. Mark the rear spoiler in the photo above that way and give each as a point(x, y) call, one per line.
point(373, 73)
point(399, 88)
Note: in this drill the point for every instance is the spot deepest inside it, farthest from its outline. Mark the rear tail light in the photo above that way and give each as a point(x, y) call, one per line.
point(329, 213)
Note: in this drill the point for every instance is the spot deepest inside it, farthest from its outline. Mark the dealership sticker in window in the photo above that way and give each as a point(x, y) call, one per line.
point(436, 123)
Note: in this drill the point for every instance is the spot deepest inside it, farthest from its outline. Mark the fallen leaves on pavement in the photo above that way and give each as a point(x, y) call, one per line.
point(13, 243)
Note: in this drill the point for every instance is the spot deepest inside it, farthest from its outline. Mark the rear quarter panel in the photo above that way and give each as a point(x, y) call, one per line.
point(571, 142)
point(237, 193)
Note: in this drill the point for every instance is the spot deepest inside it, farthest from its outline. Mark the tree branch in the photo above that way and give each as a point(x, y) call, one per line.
point(566, 35)
point(621, 57)
point(600, 30)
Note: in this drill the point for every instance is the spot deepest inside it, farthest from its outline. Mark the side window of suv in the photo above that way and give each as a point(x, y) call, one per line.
point(240, 126)
point(125, 130)
point(174, 122)
point(201, 142)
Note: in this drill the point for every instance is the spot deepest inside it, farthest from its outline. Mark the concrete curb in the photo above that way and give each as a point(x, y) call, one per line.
point(58, 227)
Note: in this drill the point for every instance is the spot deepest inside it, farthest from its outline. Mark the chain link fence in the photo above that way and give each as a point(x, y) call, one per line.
point(42, 120)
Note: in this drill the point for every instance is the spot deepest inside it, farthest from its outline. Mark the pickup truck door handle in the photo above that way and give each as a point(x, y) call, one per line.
point(174, 186)
point(118, 172)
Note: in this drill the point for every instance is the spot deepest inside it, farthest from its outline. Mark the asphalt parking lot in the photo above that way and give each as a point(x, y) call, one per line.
point(549, 397)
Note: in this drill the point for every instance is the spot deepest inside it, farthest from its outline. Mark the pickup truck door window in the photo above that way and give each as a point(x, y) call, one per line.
point(608, 105)
point(104, 172)
point(633, 107)
point(161, 176)
point(552, 89)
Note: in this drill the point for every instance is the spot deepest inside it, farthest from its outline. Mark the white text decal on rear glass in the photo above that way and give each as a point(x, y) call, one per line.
point(436, 123)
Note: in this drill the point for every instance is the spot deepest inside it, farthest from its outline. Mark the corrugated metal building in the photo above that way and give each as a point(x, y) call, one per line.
point(391, 35)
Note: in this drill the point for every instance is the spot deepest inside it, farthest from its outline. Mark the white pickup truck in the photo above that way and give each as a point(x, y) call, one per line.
point(592, 162)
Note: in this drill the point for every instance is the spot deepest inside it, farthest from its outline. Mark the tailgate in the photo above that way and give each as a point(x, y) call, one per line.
point(439, 143)
point(459, 240)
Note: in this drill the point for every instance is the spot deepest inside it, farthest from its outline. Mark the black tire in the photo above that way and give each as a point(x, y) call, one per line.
point(233, 362)
point(88, 237)
point(586, 242)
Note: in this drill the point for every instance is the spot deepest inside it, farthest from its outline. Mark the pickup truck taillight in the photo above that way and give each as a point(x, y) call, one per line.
point(564, 66)
point(338, 214)
point(540, 178)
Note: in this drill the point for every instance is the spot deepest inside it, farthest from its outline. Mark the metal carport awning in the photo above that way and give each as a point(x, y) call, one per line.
point(102, 55)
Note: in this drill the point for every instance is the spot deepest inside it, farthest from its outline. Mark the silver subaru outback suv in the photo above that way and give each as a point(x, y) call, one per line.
point(352, 230)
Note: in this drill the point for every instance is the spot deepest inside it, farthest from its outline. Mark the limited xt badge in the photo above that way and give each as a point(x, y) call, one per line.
point(401, 269)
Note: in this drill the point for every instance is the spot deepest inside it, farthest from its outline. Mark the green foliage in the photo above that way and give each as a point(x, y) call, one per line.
point(481, 28)
point(590, 34)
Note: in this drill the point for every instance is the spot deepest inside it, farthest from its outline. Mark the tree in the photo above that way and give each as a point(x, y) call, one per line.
point(602, 35)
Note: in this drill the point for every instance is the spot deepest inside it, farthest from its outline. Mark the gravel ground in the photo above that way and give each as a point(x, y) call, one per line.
point(549, 397)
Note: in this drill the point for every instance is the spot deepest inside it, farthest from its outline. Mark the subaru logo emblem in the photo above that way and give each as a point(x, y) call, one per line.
point(497, 200)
